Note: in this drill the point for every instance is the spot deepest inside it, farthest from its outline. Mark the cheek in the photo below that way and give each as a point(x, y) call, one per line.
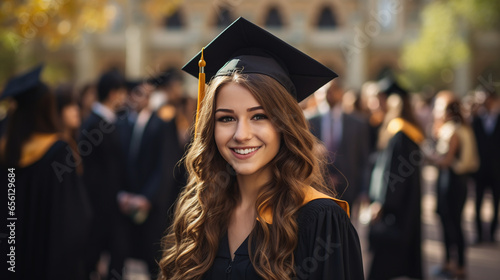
point(276, 140)
point(272, 137)
point(222, 136)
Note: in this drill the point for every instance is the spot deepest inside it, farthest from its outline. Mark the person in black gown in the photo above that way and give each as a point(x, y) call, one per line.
point(256, 205)
point(49, 207)
point(150, 189)
point(395, 189)
point(346, 136)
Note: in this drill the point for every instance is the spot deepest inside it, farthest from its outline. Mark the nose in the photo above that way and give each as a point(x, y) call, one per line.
point(243, 131)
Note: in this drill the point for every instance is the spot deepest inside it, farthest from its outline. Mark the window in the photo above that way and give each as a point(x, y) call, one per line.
point(273, 18)
point(117, 23)
point(224, 18)
point(175, 20)
point(327, 18)
point(386, 16)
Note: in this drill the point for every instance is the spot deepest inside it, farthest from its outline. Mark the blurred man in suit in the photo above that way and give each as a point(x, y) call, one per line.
point(103, 168)
point(143, 200)
point(346, 137)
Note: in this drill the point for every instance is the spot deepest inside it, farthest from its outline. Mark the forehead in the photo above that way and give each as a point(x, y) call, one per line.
point(234, 96)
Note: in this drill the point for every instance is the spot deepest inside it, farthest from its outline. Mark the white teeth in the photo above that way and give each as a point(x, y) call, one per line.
point(245, 151)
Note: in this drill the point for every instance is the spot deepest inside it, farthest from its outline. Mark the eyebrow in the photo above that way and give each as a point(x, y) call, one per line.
point(232, 111)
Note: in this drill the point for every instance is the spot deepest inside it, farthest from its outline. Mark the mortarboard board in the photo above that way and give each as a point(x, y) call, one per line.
point(389, 85)
point(245, 47)
point(21, 86)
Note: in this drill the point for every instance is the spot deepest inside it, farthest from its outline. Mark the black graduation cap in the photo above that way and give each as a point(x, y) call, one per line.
point(23, 87)
point(132, 84)
point(245, 47)
point(389, 85)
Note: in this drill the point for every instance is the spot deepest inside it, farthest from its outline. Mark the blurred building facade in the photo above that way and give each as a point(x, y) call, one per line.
point(355, 38)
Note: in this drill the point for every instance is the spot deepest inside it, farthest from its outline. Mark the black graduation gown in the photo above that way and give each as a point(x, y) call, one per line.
point(104, 167)
point(53, 216)
point(176, 174)
point(396, 240)
point(150, 173)
point(328, 248)
point(104, 176)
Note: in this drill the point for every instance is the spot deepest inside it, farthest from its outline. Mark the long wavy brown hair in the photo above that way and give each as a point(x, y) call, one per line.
point(205, 205)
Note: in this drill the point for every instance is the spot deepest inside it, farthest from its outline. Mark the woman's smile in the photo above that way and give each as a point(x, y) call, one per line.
point(245, 136)
point(245, 152)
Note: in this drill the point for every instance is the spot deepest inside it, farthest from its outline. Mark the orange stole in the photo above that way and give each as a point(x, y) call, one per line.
point(36, 147)
point(311, 194)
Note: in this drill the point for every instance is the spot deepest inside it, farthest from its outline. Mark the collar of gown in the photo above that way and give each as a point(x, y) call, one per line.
point(224, 252)
point(399, 124)
point(311, 194)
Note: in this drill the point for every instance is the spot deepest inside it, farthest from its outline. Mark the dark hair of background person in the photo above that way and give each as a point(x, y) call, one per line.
point(30, 116)
point(453, 112)
point(407, 112)
point(84, 91)
point(111, 80)
point(167, 77)
point(64, 96)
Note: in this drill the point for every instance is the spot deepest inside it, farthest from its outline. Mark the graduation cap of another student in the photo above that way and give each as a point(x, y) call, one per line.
point(390, 86)
point(132, 84)
point(23, 87)
point(247, 48)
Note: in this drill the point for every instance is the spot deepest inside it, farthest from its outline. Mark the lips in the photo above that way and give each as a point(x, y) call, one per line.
point(244, 152)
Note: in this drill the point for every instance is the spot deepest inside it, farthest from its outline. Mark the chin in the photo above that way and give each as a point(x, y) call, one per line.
point(244, 170)
point(248, 169)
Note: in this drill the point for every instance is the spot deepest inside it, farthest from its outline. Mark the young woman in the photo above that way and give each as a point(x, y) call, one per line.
point(395, 189)
point(256, 206)
point(456, 158)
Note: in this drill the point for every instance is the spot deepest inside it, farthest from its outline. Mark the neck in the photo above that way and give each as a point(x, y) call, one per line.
point(67, 133)
point(336, 108)
point(250, 186)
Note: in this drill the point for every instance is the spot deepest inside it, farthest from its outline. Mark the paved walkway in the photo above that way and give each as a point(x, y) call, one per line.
point(483, 261)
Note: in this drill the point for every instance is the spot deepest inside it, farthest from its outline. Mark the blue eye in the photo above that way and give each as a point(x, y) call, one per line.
point(260, 117)
point(225, 119)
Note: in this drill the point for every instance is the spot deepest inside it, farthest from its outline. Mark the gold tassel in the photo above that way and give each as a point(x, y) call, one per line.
point(201, 90)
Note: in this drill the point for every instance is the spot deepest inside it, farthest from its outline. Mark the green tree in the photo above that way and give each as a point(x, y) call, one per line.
point(443, 42)
point(55, 22)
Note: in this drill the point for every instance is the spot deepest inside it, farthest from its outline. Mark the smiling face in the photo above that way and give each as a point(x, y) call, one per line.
point(244, 135)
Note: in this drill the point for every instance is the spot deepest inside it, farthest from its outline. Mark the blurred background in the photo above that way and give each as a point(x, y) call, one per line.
point(428, 45)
